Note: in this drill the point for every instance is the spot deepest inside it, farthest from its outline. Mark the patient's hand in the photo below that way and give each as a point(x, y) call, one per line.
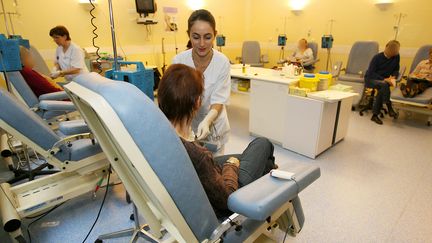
point(234, 161)
point(390, 80)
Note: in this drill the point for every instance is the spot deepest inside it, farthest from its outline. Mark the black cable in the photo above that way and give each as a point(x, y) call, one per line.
point(98, 63)
point(43, 215)
point(101, 206)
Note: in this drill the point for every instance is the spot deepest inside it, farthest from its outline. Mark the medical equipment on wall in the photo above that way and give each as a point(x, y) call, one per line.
point(220, 41)
point(327, 43)
point(220, 38)
point(144, 8)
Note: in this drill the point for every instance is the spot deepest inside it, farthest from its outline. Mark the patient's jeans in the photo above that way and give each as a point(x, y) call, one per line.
point(383, 96)
point(255, 161)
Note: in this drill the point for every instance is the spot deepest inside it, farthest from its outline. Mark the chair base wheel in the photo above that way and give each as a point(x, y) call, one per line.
point(361, 113)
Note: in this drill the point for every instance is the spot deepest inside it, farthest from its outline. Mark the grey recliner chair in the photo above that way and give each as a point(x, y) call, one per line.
point(421, 103)
point(150, 159)
point(359, 58)
point(251, 54)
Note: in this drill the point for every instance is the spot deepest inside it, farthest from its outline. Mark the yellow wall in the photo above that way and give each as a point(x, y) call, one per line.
point(354, 20)
point(238, 20)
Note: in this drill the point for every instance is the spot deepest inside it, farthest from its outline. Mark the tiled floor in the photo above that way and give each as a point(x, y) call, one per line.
point(376, 186)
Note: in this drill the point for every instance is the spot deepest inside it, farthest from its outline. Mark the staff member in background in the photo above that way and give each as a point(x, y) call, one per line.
point(303, 54)
point(381, 74)
point(211, 122)
point(69, 61)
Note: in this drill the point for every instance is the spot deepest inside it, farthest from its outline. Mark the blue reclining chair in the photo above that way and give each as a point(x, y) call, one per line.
point(79, 160)
point(47, 106)
point(150, 159)
point(421, 103)
point(359, 58)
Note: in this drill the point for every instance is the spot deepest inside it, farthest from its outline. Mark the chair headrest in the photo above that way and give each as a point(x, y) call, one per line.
point(422, 54)
point(160, 145)
point(360, 56)
point(18, 81)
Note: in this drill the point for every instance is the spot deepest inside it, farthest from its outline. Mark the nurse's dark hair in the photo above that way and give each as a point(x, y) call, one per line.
point(179, 91)
point(60, 31)
point(203, 15)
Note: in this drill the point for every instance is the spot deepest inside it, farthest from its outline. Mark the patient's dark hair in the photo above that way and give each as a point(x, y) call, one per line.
point(178, 93)
point(203, 15)
point(60, 31)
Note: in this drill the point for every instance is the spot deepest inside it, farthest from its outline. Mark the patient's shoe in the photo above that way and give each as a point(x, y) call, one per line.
point(391, 112)
point(414, 90)
point(376, 119)
point(404, 90)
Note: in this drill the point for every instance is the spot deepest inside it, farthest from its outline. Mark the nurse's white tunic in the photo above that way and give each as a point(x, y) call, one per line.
point(72, 58)
point(217, 85)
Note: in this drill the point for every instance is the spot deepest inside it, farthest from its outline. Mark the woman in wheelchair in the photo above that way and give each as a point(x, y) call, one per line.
point(419, 80)
point(179, 97)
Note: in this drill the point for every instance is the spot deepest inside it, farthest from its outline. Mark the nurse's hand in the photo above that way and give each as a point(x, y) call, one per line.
point(55, 74)
point(203, 130)
point(204, 127)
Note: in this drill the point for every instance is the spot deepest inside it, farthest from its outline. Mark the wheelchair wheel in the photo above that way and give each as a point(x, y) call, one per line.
point(361, 113)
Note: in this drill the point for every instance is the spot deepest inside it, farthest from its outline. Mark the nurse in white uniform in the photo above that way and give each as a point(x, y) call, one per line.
point(69, 59)
point(211, 123)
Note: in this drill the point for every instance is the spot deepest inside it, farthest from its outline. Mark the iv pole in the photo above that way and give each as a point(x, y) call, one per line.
point(329, 49)
point(113, 37)
point(5, 18)
point(397, 27)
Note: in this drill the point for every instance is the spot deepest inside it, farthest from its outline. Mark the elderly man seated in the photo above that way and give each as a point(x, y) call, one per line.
point(39, 83)
point(381, 74)
point(420, 79)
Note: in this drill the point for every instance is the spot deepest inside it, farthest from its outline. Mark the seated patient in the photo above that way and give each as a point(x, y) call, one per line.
point(304, 54)
point(381, 74)
point(39, 83)
point(420, 79)
point(179, 97)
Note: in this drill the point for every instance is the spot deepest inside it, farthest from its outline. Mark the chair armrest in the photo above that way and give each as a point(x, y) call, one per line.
point(401, 74)
point(56, 105)
point(73, 127)
point(60, 95)
point(63, 83)
point(263, 197)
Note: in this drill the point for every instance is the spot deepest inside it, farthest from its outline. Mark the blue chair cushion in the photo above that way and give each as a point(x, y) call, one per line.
point(423, 99)
point(272, 193)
